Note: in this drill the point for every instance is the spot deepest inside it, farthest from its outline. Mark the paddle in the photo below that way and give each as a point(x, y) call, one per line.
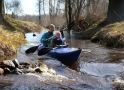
point(34, 48)
point(45, 50)
point(31, 50)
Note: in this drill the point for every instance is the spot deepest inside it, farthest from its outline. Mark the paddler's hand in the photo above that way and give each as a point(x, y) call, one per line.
point(45, 40)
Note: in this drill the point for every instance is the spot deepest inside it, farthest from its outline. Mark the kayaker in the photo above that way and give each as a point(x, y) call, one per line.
point(78, 28)
point(63, 36)
point(61, 31)
point(57, 40)
point(47, 36)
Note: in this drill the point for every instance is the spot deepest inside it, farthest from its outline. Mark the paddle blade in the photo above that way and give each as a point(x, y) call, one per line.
point(44, 51)
point(31, 50)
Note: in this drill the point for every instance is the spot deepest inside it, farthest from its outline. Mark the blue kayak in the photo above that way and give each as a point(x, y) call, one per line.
point(65, 53)
point(77, 32)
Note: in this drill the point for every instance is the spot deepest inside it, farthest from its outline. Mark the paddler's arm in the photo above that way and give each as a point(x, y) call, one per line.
point(43, 38)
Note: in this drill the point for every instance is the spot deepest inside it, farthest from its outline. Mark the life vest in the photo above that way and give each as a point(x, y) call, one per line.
point(80, 17)
point(46, 35)
point(57, 41)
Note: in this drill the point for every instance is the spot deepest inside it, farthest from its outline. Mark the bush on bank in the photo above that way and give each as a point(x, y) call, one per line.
point(111, 35)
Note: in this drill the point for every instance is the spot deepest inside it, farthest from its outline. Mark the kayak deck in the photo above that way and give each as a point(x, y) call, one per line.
point(67, 54)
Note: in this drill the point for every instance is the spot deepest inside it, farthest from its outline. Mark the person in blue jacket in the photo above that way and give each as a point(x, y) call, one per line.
point(47, 37)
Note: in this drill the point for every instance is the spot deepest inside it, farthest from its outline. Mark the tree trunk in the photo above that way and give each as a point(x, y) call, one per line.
point(1, 12)
point(69, 14)
point(39, 12)
point(115, 11)
point(1, 5)
point(66, 11)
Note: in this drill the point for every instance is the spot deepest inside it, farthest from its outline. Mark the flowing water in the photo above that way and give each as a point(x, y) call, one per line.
point(96, 68)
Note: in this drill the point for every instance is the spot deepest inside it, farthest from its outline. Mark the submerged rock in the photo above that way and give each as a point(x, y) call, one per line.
point(42, 66)
point(10, 67)
point(118, 83)
point(14, 67)
point(16, 63)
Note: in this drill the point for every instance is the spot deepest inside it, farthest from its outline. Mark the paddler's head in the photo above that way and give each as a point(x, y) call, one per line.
point(58, 34)
point(51, 28)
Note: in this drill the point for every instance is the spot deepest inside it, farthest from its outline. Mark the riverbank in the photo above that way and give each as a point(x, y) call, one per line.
point(110, 35)
point(12, 35)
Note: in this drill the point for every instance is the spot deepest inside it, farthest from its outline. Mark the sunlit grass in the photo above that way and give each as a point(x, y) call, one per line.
point(111, 35)
point(10, 41)
point(22, 26)
point(12, 35)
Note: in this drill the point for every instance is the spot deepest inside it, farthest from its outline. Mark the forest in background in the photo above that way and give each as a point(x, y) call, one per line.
point(94, 12)
point(61, 12)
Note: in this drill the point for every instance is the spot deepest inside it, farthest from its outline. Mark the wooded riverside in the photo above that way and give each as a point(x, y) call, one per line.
point(59, 10)
point(66, 13)
point(61, 44)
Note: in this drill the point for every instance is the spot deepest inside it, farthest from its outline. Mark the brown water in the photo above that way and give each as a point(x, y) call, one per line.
point(95, 69)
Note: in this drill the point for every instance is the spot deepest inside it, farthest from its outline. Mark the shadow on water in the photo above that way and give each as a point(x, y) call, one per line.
point(72, 65)
point(116, 57)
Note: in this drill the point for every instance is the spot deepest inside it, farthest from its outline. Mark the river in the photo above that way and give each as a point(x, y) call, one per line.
point(96, 68)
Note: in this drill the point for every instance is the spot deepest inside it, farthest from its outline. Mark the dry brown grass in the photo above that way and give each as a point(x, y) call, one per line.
point(22, 26)
point(10, 41)
point(111, 35)
point(12, 35)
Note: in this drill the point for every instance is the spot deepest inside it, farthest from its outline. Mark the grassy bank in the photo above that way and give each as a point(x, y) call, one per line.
point(9, 42)
point(12, 35)
point(94, 28)
point(111, 35)
point(22, 26)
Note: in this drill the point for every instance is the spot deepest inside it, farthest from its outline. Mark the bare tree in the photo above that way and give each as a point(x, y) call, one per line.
point(95, 10)
point(2, 20)
point(73, 10)
point(44, 6)
point(55, 8)
point(2, 7)
point(39, 3)
point(52, 9)
point(7, 6)
point(2, 13)
point(14, 6)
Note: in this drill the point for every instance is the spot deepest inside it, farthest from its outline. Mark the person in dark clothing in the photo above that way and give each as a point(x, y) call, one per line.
point(57, 40)
point(70, 25)
point(78, 28)
point(62, 33)
point(63, 36)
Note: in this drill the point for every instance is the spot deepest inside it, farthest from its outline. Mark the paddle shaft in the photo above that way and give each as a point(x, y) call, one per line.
point(45, 50)
point(34, 48)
